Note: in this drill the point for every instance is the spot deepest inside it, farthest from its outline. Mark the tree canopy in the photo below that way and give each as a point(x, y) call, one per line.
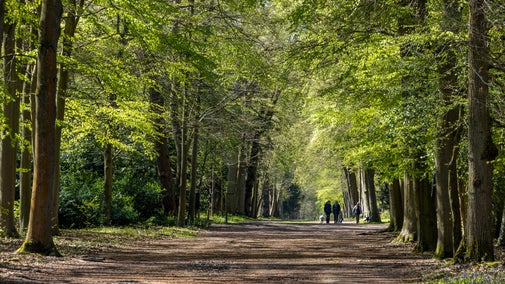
point(258, 108)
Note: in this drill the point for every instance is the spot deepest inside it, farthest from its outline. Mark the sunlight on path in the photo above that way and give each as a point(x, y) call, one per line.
point(255, 252)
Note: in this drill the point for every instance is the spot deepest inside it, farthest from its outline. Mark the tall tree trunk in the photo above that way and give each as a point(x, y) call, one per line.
point(71, 21)
point(501, 237)
point(352, 188)
point(370, 184)
point(406, 25)
point(447, 137)
point(265, 193)
point(25, 176)
point(481, 150)
point(409, 228)
point(240, 190)
point(181, 216)
point(8, 143)
point(457, 229)
point(425, 215)
point(107, 175)
point(178, 112)
point(2, 24)
point(39, 237)
point(164, 170)
point(395, 207)
point(252, 175)
point(364, 193)
point(194, 166)
point(231, 187)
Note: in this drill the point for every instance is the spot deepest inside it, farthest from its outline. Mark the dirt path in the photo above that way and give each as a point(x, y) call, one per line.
point(258, 252)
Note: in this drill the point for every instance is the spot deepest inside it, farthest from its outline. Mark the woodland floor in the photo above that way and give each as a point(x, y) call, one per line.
point(256, 252)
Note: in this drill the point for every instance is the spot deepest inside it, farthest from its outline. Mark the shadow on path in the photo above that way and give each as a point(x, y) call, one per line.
point(255, 252)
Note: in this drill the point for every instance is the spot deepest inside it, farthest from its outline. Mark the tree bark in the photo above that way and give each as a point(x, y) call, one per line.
point(481, 150)
point(447, 135)
point(370, 184)
point(107, 175)
point(164, 170)
point(241, 175)
point(501, 238)
point(252, 175)
point(352, 188)
point(71, 20)
point(265, 204)
point(457, 226)
point(194, 166)
point(231, 188)
point(409, 228)
point(39, 237)
point(395, 207)
point(179, 114)
point(8, 143)
point(426, 221)
point(25, 177)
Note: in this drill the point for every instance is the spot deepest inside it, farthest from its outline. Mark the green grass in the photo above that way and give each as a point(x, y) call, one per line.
point(136, 232)
point(232, 219)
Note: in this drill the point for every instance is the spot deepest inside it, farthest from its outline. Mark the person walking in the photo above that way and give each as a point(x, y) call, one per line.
point(327, 211)
point(336, 212)
point(356, 211)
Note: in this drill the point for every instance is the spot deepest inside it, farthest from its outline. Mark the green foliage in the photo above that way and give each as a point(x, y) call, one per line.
point(80, 203)
point(136, 194)
point(292, 201)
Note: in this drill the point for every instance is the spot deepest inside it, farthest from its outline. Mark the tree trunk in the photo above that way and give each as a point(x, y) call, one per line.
point(184, 147)
point(181, 215)
point(8, 143)
point(364, 194)
point(71, 21)
point(252, 175)
point(107, 175)
point(240, 189)
point(457, 229)
point(2, 24)
point(501, 237)
point(25, 176)
point(164, 170)
point(39, 237)
point(408, 232)
point(447, 137)
point(352, 188)
point(231, 188)
point(395, 207)
point(265, 211)
point(481, 150)
point(425, 215)
point(194, 165)
point(370, 184)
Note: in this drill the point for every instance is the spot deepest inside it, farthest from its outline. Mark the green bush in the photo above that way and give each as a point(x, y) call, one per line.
point(79, 207)
point(123, 211)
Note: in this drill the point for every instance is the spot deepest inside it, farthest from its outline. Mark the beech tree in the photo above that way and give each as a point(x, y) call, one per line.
point(481, 149)
point(39, 236)
point(448, 133)
point(10, 126)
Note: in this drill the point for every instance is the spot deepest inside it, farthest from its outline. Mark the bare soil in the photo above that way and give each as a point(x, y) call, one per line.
point(256, 252)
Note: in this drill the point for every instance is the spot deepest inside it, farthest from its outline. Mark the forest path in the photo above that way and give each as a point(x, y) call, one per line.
point(256, 252)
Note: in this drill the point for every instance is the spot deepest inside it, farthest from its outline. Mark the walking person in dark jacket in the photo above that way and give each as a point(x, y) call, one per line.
point(356, 211)
point(327, 211)
point(336, 212)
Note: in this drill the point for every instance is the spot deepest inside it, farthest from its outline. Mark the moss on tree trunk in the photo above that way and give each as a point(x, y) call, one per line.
point(38, 248)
